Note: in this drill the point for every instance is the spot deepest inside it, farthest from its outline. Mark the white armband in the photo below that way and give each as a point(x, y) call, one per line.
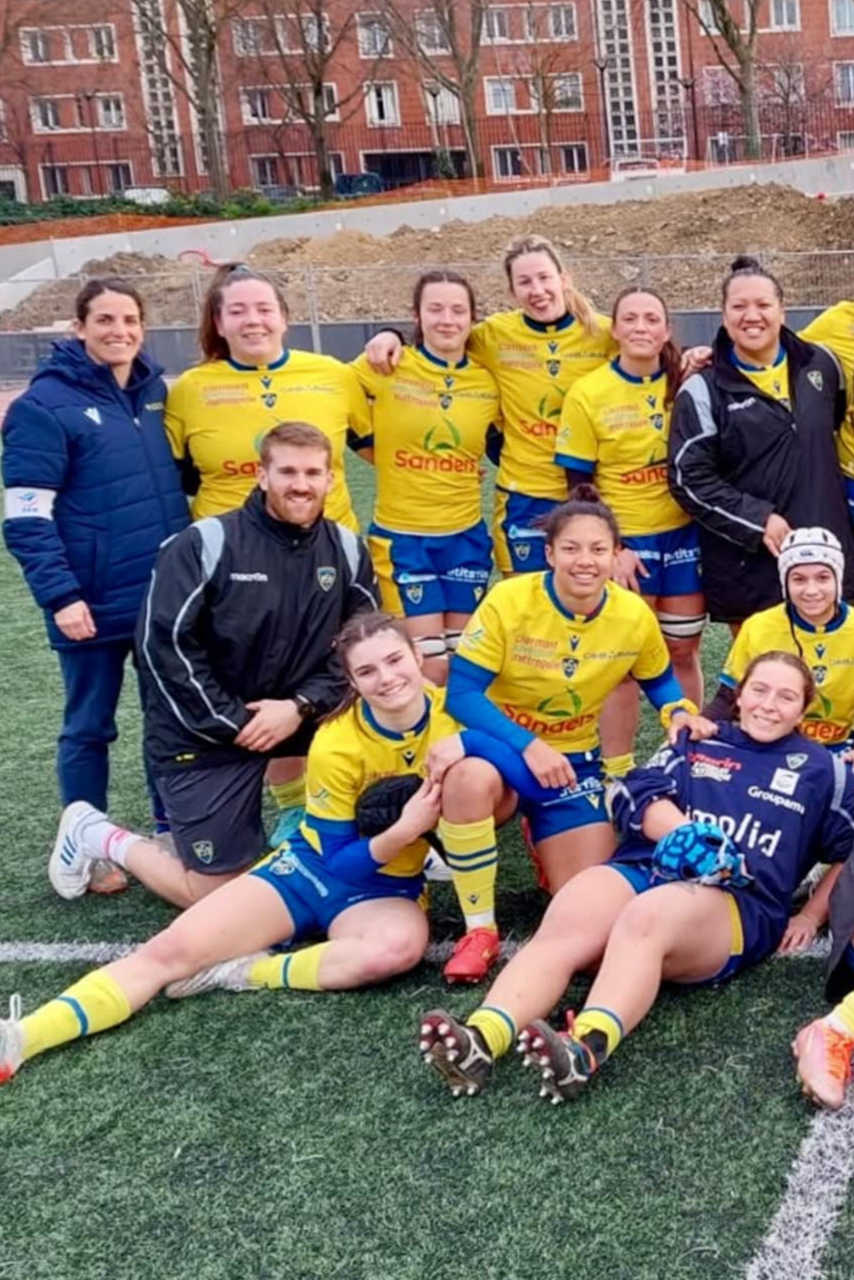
point(30, 502)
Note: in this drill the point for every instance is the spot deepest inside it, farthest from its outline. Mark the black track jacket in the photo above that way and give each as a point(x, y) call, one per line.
point(242, 607)
point(737, 455)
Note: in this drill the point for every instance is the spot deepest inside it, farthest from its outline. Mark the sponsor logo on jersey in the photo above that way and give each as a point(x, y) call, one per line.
point(463, 574)
point(820, 650)
point(747, 831)
point(574, 642)
point(93, 415)
point(473, 636)
point(645, 475)
point(719, 768)
point(231, 467)
point(326, 576)
point(434, 461)
point(320, 797)
point(408, 754)
point(545, 728)
point(773, 797)
point(153, 405)
point(795, 760)
point(736, 405)
point(204, 851)
point(441, 437)
point(785, 781)
point(537, 427)
point(249, 577)
point(815, 378)
point(825, 730)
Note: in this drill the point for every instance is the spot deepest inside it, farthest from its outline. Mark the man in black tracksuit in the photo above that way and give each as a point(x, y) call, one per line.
point(234, 644)
point(738, 456)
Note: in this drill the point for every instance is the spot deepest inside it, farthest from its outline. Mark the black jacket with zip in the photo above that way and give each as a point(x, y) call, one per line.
point(737, 455)
point(241, 607)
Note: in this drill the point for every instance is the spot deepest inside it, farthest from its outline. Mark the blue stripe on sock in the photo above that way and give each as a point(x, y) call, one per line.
point(79, 1011)
point(598, 1008)
point(286, 964)
point(492, 1008)
point(463, 858)
point(475, 866)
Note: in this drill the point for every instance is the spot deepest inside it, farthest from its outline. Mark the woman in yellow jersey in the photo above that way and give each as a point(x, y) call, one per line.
point(614, 427)
point(537, 661)
point(218, 411)
point(428, 540)
point(753, 447)
point(535, 354)
point(834, 328)
point(332, 878)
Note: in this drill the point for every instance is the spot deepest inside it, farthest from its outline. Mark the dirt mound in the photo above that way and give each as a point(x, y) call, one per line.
point(681, 244)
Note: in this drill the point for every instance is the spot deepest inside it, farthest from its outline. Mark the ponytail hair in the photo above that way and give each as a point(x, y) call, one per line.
point(584, 500)
point(671, 354)
point(744, 265)
point(577, 304)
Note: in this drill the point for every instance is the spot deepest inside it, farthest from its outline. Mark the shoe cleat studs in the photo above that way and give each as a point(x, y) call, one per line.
point(471, 1090)
point(544, 1093)
point(548, 1074)
point(538, 1042)
point(556, 1099)
point(443, 1029)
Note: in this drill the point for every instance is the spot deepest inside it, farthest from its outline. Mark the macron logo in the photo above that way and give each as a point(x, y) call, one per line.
point(249, 577)
point(93, 415)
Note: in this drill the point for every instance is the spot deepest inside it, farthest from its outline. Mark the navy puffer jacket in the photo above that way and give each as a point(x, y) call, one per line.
point(91, 488)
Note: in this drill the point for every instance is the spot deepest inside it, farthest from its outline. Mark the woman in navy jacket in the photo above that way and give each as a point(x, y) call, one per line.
point(91, 492)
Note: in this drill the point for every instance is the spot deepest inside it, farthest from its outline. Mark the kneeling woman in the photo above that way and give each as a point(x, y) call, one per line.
point(363, 893)
point(745, 814)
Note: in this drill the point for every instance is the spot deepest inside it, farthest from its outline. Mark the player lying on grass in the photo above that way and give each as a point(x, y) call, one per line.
point(716, 837)
point(363, 892)
point(537, 661)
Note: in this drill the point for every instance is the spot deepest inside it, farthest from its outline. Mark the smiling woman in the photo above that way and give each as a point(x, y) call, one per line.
point(91, 491)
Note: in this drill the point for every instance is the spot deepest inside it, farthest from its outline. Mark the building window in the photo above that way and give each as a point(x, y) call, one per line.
point(844, 83)
point(55, 180)
point(250, 37)
point(841, 17)
point(111, 112)
point(557, 93)
point(381, 103)
point(34, 46)
point(496, 26)
point(443, 107)
point(500, 96)
point(373, 36)
point(119, 175)
point(784, 15)
point(708, 22)
point(506, 162)
point(299, 101)
point(573, 157)
point(431, 36)
point(45, 114)
point(718, 88)
point(256, 105)
point(562, 22)
point(845, 140)
point(265, 171)
point(315, 32)
point(3, 134)
point(102, 43)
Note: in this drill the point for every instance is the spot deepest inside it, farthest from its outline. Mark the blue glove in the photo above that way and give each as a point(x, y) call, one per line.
point(701, 852)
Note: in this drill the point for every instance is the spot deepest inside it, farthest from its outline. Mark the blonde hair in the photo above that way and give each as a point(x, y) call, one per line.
point(577, 304)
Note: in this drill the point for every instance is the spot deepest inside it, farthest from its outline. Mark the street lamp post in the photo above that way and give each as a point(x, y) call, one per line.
point(602, 62)
point(689, 84)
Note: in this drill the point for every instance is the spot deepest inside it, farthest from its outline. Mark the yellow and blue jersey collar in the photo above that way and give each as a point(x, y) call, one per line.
point(552, 326)
point(802, 624)
point(548, 582)
point(757, 368)
point(261, 368)
point(635, 378)
point(437, 360)
point(393, 734)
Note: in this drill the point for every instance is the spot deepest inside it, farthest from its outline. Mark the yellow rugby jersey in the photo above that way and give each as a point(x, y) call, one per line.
point(218, 412)
point(554, 670)
point(772, 379)
point(534, 365)
point(615, 425)
point(834, 329)
point(351, 752)
point(828, 652)
point(429, 428)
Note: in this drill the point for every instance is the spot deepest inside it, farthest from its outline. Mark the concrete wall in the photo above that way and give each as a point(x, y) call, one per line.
point(832, 175)
point(175, 349)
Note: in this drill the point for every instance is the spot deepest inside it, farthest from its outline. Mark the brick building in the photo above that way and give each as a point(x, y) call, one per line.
point(562, 90)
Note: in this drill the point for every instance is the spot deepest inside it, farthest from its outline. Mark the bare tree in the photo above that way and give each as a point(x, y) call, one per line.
point(733, 28)
point(186, 51)
point(790, 91)
point(445, 40)
point(306, 42)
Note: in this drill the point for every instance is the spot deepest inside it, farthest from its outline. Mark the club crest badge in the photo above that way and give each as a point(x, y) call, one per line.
point(816, 379)
point(204, 851)
point(415, 593)
point(522, 550)
point(269, 399)
point(570, 666)
point(795, 761)
point(326, 576)
point(553, 368)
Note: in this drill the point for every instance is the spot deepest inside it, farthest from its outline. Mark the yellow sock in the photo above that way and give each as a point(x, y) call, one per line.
point(93, 1004)
point(618, 766)
point(497, 1028)
point(295, 969)
point(289, 795)
point(602, 1020)
point(843, 1014)
point(473, 858)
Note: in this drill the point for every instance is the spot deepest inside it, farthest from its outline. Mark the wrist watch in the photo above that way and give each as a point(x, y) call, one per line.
point(306, 709)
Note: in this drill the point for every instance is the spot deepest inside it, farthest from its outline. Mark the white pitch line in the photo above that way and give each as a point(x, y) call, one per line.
point(816, 1190)
point(104, 952)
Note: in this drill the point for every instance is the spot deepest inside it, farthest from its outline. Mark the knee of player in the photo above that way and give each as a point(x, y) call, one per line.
point(474, 783)
point(393, 951)
point(171, 953)
point(640, 922)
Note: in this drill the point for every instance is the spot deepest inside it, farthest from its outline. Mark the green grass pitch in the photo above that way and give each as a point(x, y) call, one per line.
point(298, 1136)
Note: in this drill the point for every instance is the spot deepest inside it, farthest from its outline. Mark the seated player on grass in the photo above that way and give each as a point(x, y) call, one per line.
point(536, 663)
point(362, 891)
point(717, 835)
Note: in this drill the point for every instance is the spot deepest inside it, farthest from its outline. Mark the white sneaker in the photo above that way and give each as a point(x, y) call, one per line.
point(436, 868)
point(72, 861)
point(228, 975)
point(11, 1041)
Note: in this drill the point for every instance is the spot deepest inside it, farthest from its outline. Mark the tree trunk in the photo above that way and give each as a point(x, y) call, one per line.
point(321, 148)
point(469, 121)
point(750, 112)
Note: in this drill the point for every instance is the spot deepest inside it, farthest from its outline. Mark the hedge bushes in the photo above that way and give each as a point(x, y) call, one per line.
point(244, 203)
